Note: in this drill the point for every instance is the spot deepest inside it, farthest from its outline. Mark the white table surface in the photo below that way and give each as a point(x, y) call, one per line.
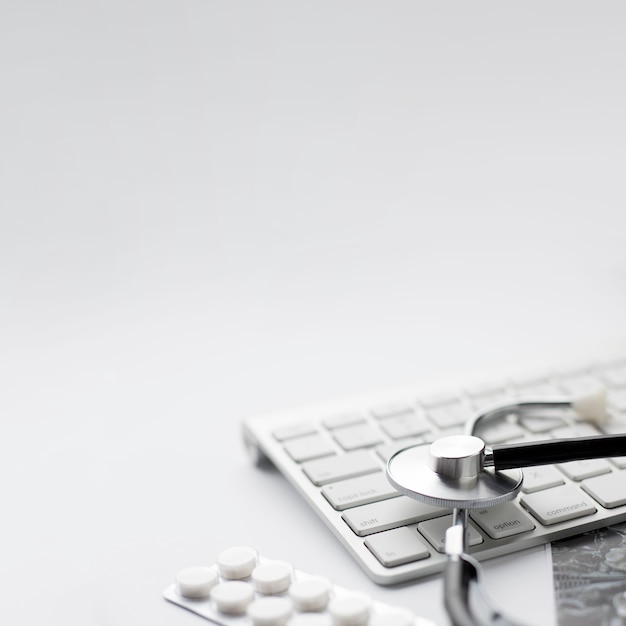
point(215, 209)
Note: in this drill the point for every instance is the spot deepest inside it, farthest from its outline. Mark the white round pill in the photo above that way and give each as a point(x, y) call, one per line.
point(233, 596)
point(310, 619)
point(196, 582)
point(310, 594)
point(237, 563)
point(272, 577)
point(392, 617)
point(351, 610)
point(270, 611)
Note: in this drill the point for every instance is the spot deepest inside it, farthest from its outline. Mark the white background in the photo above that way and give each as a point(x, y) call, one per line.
point(215, 209)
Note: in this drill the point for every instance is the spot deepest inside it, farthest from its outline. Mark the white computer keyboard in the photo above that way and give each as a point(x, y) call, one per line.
point(335, 456)
point(243, 588)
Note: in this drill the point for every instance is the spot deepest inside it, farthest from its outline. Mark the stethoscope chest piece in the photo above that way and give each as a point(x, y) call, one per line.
point(450, 473)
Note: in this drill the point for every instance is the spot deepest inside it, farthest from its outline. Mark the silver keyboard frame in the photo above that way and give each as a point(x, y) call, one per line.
point(258, 438)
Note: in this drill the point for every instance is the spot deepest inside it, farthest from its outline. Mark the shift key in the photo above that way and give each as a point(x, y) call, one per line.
point(372, 518)
point(558, 504)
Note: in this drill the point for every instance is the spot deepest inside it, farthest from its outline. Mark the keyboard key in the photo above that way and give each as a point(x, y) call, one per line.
point(541, 477)
point(334, 468)
point(579, 470)
point(359, 436)
point(556, 505)
point(454, 414)
point(503, 521)
point(532, 438)
point(488, 395)
point(405, 425)
point(435, 531)
point(485, 390)
point(483, 402)
point(437, 399)
point(579, 429)
point(535, 387)
point(373, 518)
point(617, 399)
point(541, 423)
point(295, 430)
point(448, 432)
point(500, 430)
point(576, 385)
point(614, 427)
point(618, 461)
point(614, 376)
point(307, 448)
point(343, 419)
point(391, 410)
point(396, 547)
point(572, 371)
point(386, 450)
point(346, 494)
point(609, 490)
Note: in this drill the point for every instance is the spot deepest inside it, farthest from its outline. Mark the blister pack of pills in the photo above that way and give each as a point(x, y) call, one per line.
point(245, 589)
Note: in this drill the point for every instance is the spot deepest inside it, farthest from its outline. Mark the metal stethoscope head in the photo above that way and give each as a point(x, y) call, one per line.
point(461, 473)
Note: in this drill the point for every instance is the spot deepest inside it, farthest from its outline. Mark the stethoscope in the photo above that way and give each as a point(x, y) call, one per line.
point(459, 472)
